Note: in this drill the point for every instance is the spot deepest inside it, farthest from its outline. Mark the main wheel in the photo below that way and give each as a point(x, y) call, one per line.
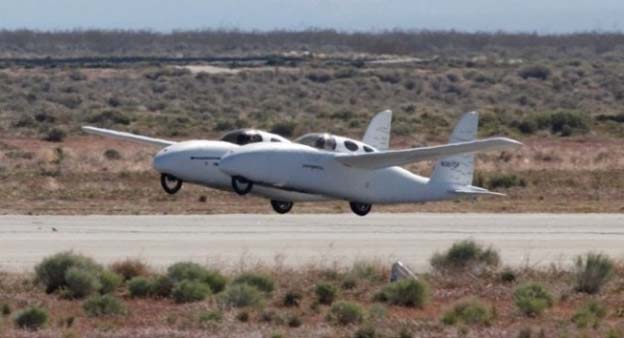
point(170, 184)
point(281, 207)
point(241, 185)
point(360, 209)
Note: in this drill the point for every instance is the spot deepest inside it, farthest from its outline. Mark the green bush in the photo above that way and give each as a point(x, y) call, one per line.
point(32, 318)
point(241, 295)
point(508, 276)
point(292, 298)
point(182, 271)
point(539, 72)
point(589, 315)
point(109, 281)
point(285, 128)
point(103, 305)
point(130, 268)
point(139, 287)
point(55, 135)
point(532, 299)
point(505, 181)
point(6, 309)
point(211, 316)
point(112, 154)
point(109, 117)
point(215, 280)
point(406, 292)
point(260, 281)
point(51, 271)
point(325, 293)
point(465, 254)
point(346, 313)
point(81, 282)
point(468, 312)
point(562, 123)
point(161, 286)
point(592, 272)
point(190, 291)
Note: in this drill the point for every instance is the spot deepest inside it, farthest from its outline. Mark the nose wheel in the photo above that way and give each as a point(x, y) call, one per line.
point(241, 185)
point(170, 184)
point(360, 209)
point(281, 207)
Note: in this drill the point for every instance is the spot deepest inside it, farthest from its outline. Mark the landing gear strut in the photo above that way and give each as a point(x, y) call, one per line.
point(241, 185)
point(360, 209)
point(281, 207)
point(170, 184)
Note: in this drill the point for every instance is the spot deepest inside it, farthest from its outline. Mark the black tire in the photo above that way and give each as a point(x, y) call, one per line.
point(281, 207)
point(360, 209)
point(237, 181)
point(166, 180)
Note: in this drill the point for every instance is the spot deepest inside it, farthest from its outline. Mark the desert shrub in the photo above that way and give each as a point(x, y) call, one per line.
point(367, 270)
point(243, 316)
point(55, 135)
point(367, 331)
point(508, 276)
point(294, 321)
point(130, 268)
point(592, 272)
point(190, 291)
point(6, 309)
point(505, 181)
point(211, 316)
point(139, 287)
point(406, 292)
point(186, 271)
point(527, 127)
point(468, 312)
point(81, 282)
point(109, 117)
point(349, 282)
point(215, 281)
point(325, 293)
point(32, 318)
point(103, 305)
point(51, 271)
point(161, 286)
point(285, 128)
point(109, 281)
point(292, 298)
point(535, 71)
point(589, 315)
point(346, 313)
point(532, 299)
point(261, 281)
point(377, 312)
point(465, 254)
point(562, 123)
point(112, 154)
point(241, 295)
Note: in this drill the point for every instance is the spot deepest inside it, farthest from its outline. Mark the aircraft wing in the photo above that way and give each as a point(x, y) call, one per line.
point(127, 136)
point(393, 158)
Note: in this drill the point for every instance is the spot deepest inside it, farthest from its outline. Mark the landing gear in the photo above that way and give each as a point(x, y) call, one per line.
point(170, 184)
point(281, 207)
point(241, 185)
point(360, 209)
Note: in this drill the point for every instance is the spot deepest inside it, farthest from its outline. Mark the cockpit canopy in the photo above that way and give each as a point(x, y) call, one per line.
point(246, 136)
point(329, 142)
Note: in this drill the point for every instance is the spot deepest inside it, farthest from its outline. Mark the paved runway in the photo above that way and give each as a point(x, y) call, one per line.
point(226, 240)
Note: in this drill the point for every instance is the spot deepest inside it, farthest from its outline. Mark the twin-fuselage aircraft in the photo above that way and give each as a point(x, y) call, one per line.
point(317, 167)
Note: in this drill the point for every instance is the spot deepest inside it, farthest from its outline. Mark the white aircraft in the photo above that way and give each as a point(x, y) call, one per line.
point(196, 161)
point(364, 176)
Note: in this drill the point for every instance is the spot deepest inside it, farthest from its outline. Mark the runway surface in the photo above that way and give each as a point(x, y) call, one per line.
point(227, 240)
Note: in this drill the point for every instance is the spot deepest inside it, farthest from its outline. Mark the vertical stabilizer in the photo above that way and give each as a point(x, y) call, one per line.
point(458, 170)
point(378, 132)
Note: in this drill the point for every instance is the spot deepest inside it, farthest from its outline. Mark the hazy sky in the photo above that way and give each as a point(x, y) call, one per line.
point(545, 16)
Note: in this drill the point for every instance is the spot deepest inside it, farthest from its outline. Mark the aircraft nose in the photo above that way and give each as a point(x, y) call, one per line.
point(163, 161)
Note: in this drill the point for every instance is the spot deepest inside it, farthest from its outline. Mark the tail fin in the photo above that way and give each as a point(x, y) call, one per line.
point(458, 170)
point(378, 132)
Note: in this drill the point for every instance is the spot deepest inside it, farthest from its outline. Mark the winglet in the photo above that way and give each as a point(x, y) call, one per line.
point(378, 132)
point(127, 136)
